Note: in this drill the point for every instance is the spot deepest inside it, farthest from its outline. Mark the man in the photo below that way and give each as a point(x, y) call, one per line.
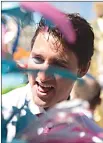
point(48, 48)
point(92, 95)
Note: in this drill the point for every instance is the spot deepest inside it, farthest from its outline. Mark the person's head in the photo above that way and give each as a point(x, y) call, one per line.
point(90, 91)
point(50, 48)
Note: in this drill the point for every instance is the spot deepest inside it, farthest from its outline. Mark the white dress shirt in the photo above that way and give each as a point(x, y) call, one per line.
point(16, 98)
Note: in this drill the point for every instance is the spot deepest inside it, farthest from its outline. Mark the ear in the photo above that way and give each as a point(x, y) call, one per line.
point(83, 70)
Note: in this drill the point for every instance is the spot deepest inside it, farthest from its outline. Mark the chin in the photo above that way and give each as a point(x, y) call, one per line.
point(40, 102)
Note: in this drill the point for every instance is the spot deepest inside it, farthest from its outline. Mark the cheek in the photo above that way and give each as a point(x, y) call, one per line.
point(64, 87)
point(64, 84)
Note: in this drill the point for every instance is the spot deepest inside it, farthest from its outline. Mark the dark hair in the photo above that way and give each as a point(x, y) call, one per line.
point(84, 45)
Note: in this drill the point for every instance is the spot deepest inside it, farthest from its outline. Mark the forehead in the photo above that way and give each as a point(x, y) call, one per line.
point(47, 43)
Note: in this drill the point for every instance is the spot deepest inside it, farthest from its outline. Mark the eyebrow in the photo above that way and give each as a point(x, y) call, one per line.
point(37, 54)
point(63, 61)
point(54, 59)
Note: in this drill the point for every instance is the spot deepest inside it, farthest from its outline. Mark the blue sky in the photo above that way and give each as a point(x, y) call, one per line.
point(84, 8)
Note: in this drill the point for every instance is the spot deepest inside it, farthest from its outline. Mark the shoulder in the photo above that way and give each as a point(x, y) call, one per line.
point(13, 97)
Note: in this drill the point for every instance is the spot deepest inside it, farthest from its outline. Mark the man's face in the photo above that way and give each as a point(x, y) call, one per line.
point(49, 89)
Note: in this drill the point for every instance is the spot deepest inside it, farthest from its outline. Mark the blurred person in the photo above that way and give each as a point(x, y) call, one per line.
point(48, 48)
point(89, 91)
point(98, 113)
point(96, 68)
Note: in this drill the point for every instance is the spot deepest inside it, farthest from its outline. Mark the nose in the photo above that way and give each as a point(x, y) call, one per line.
point(45, 74)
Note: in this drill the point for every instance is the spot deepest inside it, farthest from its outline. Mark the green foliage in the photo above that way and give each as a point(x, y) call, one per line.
point(11, 88)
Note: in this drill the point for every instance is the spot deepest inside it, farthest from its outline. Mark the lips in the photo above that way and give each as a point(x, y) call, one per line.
point(44, 89)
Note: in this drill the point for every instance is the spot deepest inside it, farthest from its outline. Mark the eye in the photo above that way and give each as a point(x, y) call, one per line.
point(61, 65)
point(38, 60)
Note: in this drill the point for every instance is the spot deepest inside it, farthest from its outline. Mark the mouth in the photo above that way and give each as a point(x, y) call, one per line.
point(44, 89)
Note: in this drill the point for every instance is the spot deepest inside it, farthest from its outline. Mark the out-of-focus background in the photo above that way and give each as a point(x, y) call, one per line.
point(11, 13)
